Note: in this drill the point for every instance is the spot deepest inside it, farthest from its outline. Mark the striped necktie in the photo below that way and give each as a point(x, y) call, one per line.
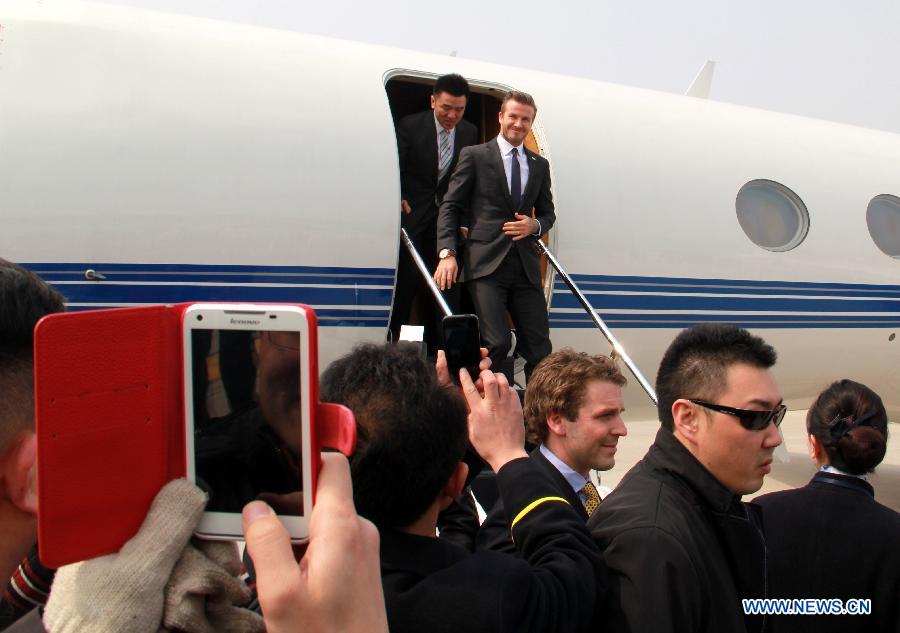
point(591, 498)
point(445, 154)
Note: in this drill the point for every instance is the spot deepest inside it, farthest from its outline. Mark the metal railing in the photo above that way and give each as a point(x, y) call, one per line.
point(617, 349)
point(426, 274)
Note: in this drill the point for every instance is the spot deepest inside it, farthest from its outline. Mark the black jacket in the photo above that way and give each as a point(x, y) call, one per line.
point(831, 539)
point(418, 153)
point(494, 533)
point(681, 550)
point(435, 586)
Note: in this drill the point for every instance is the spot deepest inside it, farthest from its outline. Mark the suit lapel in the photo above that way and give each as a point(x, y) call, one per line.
point(429, 132)
point(561, 483)
point(496, 160)
point(535, 172)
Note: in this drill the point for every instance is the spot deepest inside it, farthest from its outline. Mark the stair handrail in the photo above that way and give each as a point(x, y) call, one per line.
point(426, 274)
point(617, 349)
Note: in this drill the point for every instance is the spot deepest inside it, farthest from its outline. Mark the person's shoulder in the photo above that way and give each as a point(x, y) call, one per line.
point(467, 127)
point(890, 520)
point(414, 120)
point(782, 498)
point(644, 500)
point(534, 156)
point(481, 148)
point(634, 504)
point(477, 152)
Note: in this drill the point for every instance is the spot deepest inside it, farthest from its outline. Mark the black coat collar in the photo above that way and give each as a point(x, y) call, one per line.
point(668, 454)
point(848, 482)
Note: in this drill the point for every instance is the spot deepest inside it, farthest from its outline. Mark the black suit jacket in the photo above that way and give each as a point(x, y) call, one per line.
point(494, 533)
point(418, 152)
point(831, 539)
point(478, 191)
point(551, 585)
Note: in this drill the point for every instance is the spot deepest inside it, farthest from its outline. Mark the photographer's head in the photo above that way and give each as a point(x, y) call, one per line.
point(24, 299)
point(848, 428)
point(716, 394)
point(411, 433)
point(574, 405)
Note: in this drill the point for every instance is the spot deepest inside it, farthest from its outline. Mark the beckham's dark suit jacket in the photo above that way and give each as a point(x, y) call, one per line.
point(831, 539)
point(418, 151)
point(494, 533)
point(478, 191)
point(551, 585)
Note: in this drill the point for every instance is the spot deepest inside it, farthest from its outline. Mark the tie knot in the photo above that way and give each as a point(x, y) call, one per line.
point(514, 152)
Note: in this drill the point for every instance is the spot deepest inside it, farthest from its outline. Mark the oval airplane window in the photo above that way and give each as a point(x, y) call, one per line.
point(883, 218)
point(772, 216)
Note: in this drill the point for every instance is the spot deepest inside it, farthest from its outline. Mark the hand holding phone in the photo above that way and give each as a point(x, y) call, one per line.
point(341, 560)
point(462, 343)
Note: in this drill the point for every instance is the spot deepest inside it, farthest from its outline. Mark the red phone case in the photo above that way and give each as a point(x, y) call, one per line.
point(109, 410)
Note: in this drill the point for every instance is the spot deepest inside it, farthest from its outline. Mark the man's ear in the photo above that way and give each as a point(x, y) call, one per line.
point(19, 471)
point(686, 420)
point(556, 425)
point(433, 102)
point(454, 486)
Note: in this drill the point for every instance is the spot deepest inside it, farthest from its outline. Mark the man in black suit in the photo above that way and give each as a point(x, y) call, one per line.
point(408, 466)
point(428, 144)
point(573, 412)
point(496, 185)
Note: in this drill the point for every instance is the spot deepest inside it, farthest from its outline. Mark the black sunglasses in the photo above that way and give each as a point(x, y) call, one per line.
point(750, 420)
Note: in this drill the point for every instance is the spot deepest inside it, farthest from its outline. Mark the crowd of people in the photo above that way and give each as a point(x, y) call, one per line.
point(395, 543)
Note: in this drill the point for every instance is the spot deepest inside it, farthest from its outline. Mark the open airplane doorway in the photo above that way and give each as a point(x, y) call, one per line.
point(409, 92)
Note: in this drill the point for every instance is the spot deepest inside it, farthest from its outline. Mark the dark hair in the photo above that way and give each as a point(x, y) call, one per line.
point(24, 299)
point(519, 97)
point(559, 384)
point(453, 84)
point(696, 363)
point(411, 430)
point(861, 448)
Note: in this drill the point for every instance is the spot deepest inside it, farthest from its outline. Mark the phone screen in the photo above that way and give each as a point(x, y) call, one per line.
point(461, 341)
point(248, 418)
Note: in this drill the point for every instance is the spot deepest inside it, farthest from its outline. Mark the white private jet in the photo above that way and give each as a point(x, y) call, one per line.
point(152, 158)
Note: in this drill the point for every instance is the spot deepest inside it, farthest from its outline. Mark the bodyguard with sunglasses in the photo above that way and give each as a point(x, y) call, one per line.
point(681, 547)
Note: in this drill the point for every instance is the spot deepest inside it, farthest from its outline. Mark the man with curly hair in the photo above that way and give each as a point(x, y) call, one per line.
point(573, 412)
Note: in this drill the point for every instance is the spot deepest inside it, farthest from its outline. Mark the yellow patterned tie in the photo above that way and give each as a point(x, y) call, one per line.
point(591, 498)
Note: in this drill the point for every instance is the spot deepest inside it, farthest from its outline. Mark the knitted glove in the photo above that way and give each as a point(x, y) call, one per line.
point(204, 589)
point(124, 592)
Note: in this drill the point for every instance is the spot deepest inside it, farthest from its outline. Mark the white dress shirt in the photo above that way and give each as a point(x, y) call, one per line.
point(575, 479)
point(506, 149)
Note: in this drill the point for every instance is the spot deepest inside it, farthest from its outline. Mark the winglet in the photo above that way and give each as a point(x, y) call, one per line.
point(702, 82)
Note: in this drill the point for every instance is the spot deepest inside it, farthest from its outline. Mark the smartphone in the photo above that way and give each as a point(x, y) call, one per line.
point(462, 343)
point(248, 412)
